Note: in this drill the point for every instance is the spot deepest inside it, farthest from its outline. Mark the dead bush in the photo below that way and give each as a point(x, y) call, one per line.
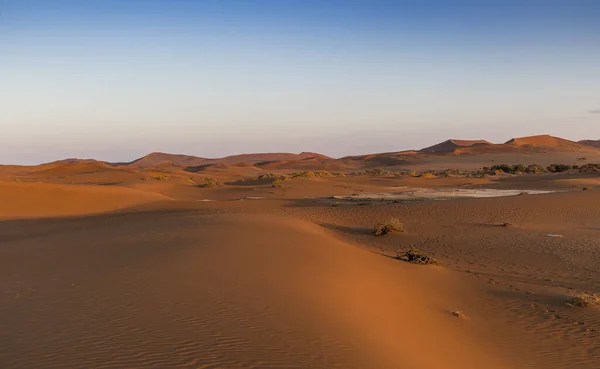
point(416, 256)
point(392, 225)
point(584, 300)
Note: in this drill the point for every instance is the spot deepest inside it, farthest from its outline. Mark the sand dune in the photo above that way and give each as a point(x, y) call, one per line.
point(159, 159)
point(214, 291)
point(48, 200)
point(547, 141)
point(451, 145)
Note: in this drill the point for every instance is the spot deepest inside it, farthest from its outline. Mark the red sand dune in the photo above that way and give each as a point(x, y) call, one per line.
point(546, 141)
point(159, 158)
point(451, 145)
point(21, 199)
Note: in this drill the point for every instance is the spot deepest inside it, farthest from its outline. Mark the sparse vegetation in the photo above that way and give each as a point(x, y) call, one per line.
point(323, 173)
point(415, 256)
point(459, 314)
point(308, 174)
point(589, 168)
point(266, 176)
point(535, 169)
point(162, 177)
point(277, 183)
point(392, 225)
point(211, 182)
point(584, 300)
point(376, 172)
point(305, 174)
point(558, 168)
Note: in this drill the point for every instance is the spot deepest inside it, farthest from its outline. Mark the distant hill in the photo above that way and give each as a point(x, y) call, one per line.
point(185, 161)
point(264, 157)
point(595, 143)
point(451, 145)
point(160, 159)
point(546, 142)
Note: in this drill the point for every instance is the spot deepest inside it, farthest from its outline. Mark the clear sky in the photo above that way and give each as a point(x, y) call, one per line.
point(114, 80)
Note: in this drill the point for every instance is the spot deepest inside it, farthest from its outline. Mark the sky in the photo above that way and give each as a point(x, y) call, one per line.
point(115, 80)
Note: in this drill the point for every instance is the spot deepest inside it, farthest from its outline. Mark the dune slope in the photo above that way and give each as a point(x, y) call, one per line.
point(21, 199)
point(196, 291)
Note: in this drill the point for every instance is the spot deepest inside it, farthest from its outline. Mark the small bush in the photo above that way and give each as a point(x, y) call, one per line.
point(518, 168)
point(584, 300)
point(535, 169)
point(459, 314)
point(162, 178)
point(558, 168)
point(266, 175)
point(376, 172)
point(211, 182)
point(589, 168)
point(415, 256)
point(277, 183)
point(501, 168)
point(392, 225)
point(303, 175)
point(323, 173)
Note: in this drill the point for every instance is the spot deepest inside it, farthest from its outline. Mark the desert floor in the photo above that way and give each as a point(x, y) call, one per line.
point(104, 268)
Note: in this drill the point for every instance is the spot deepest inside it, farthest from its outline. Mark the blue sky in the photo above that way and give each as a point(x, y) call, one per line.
point(115, 80)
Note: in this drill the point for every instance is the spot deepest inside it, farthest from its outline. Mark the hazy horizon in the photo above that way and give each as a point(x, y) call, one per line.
point(114, 80)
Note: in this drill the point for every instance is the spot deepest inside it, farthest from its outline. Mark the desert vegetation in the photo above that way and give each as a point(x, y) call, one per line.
point(210, 182)
point(584, 300)
point(391, 225)
point(416, 256)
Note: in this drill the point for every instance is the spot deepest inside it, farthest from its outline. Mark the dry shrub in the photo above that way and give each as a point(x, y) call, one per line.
point(211, 182)
point(459, 314)
point(266, 175)
point(392, 225)
point(428, 175)
point(584, 300)
point(416, 256)
point(323, 173)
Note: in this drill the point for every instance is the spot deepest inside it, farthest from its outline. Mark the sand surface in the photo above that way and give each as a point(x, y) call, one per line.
point(104, 267)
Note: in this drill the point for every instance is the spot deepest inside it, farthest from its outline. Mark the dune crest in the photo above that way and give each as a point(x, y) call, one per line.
point(49, 200)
